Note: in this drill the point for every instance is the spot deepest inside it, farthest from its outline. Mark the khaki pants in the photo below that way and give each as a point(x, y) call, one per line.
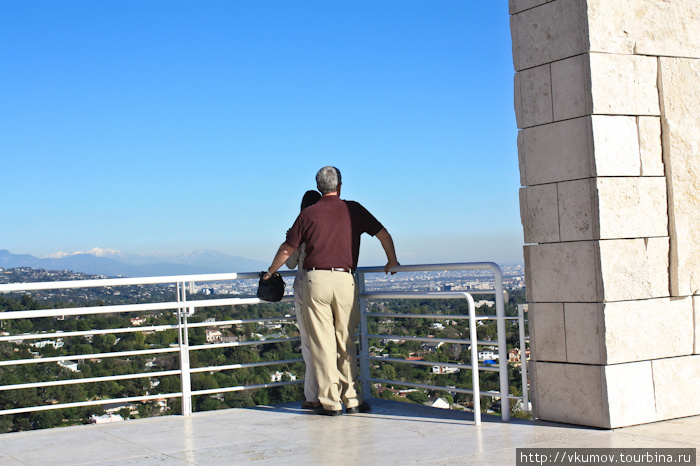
point(332, 314)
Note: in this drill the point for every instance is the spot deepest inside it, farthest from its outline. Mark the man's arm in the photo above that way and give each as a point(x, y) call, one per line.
point(281, 257)
point(388, 244)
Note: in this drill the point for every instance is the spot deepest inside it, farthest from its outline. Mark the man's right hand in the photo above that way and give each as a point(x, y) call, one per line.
point(389, 265)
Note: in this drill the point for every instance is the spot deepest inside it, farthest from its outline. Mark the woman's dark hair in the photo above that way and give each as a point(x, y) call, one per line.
point(310, 198)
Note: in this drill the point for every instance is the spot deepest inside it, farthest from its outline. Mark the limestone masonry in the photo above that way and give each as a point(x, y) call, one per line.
point(607, 100)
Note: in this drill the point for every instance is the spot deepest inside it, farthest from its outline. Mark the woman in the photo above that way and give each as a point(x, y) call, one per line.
point(297, 259)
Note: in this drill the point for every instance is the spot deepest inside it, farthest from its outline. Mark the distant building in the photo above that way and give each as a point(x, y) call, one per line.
point(445, 370)
point(213, 335)
point(432, 345)
point(70, 365)
point(55, 343)
point(438, 403)
point(105, 418)
point(136, 321)
point(277, 376)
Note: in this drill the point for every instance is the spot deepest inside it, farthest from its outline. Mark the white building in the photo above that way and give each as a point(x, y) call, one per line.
point(105, 418)
point(445, 370)
point(277, 376)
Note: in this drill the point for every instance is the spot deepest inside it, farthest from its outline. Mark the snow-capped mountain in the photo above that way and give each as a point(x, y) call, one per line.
point(111, 262)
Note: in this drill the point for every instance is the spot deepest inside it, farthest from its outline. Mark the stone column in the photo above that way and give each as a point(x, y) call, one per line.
point(607, 98)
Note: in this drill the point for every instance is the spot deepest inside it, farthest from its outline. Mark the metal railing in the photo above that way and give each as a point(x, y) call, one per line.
point(185, 308)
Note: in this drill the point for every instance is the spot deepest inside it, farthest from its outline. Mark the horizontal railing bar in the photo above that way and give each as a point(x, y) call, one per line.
point(432, 387)
point(73, 357)
point(422, 385)
point(434, 267)
point(433, 363)
point(104, 282)
point(424, 316)
point(119, 308)
point(244, 365)
point(108, 378)
point(38, 336)
point(237, 321)
point(243, 387)
point(242, 343)
point(414, 294)
point(75, 311)
point(78, 404)
point(427, 339)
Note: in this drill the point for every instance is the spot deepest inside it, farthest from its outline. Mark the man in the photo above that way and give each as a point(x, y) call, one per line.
point(331, 231)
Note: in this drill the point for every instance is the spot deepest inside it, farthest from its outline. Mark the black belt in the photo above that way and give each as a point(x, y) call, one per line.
point(332, 269)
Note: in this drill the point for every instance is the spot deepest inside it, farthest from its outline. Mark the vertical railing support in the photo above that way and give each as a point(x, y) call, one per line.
point(364, 340)
point(476, 386)
point(523, 357)
point(183, 340)
point(502, 349)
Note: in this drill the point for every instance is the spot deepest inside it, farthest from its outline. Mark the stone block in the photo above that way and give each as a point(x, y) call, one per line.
point(611, 208)
point(577, 210)
point(538, 213)
point(562, 272)
point(569, 88)
point(649, 129)
point(628, 331)
point(549, 32)
point(647, 329)
point(547, 332)
point(676, 386)
point(569, 393)
point(622, 84)
point(533, 87)
point(615, 146)
point(645, 27)
point(584, 333)
point(696, 313)
point(629, 394)
point(555, 152)
point(630, 207)
point(632, 269)
point(597, 271)
point(680, 120)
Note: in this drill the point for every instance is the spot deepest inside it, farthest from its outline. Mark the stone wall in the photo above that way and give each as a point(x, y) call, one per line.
point(607, 99)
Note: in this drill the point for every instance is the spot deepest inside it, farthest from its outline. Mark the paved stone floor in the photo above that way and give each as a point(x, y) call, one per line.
point(392, 434)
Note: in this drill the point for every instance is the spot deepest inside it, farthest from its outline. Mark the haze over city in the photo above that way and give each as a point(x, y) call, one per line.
point(174, 126)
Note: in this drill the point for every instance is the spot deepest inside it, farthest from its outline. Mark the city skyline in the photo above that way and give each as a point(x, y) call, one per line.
point(173, 126)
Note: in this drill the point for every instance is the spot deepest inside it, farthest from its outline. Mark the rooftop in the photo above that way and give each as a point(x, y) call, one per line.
point(393, 433)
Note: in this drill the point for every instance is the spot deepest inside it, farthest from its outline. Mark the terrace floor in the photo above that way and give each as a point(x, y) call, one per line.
point(392, 434)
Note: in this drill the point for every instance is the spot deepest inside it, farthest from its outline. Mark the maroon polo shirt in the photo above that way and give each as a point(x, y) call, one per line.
point(331, 229)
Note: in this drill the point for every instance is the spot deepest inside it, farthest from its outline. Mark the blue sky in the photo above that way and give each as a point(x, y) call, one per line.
point(177, 125)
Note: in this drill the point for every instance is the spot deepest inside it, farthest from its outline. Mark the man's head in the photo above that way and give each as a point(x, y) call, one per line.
point(328, 180)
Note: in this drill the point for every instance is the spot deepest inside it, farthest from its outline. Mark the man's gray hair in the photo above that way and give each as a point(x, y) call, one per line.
point(327, 179)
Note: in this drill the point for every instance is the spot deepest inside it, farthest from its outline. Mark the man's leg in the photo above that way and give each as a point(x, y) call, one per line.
point(310, 383)
point(318, 296)
point(347, 317)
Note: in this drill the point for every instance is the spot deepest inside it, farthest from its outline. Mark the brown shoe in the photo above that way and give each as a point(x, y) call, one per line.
point(310, 404)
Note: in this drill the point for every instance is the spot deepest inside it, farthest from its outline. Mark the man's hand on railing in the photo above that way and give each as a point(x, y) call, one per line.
point(389, 265)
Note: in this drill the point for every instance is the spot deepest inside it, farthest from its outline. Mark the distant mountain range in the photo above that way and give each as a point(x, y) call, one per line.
point(110, 262)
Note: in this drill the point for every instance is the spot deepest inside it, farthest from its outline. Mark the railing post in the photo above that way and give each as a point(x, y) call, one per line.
point(364, 341)
point(502, 349)
point(523, 356)
point(476, 386)
point(183, 340)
